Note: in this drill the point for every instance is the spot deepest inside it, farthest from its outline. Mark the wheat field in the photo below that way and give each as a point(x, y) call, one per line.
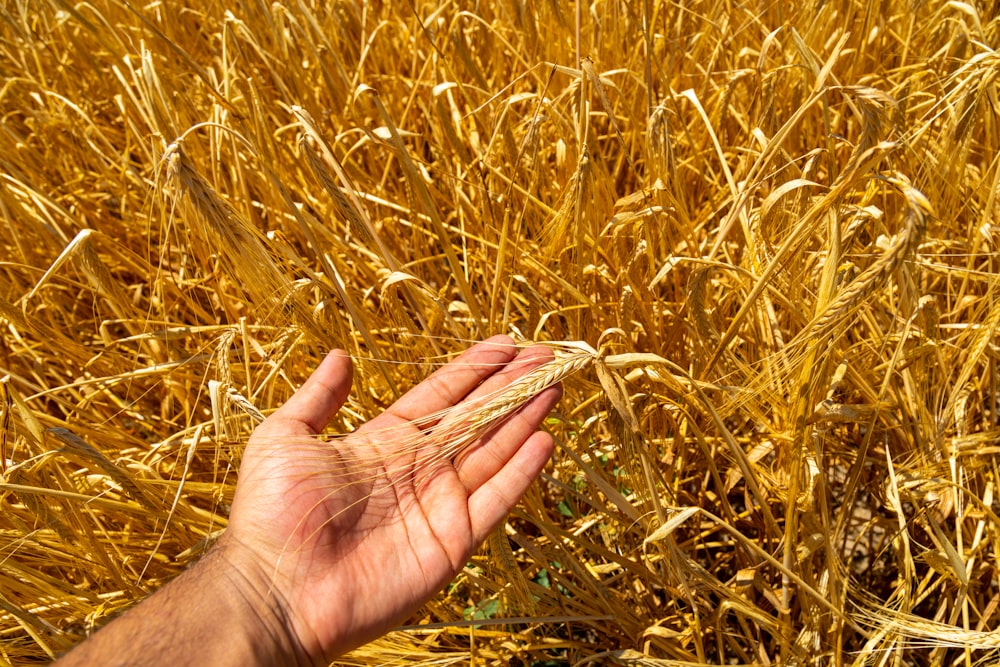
point(761, 236)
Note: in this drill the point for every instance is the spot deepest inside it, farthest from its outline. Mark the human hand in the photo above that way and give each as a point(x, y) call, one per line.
point(347, 537)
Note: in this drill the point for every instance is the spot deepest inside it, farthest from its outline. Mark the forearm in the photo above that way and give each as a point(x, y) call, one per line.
point(212, 614)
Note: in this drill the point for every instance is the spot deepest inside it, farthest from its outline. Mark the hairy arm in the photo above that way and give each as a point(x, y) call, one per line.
point(211, 614)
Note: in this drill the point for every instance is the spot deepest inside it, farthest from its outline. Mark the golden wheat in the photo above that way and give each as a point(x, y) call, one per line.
point(198, 201)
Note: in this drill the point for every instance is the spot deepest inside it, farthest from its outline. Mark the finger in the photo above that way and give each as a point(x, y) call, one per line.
point(312, 407)
point(480, 463)
point(457, 421)
point(527, 360)
point(452, 383)
point(494, 500)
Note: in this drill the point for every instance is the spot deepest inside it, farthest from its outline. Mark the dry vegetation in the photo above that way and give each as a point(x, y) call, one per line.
point(781, 217)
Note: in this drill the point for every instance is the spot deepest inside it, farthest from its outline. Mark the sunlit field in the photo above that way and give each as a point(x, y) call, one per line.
point(761, 238)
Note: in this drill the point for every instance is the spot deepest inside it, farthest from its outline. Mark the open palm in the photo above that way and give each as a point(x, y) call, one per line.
point(353, 535)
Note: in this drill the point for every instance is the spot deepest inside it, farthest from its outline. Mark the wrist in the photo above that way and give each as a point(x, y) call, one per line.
point(218, 612)
point(257, 604)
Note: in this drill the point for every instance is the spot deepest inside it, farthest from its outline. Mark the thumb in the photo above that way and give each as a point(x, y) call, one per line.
point(317, 401)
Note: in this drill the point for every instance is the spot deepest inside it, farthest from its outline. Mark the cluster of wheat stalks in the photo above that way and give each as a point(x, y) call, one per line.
point(771, 228)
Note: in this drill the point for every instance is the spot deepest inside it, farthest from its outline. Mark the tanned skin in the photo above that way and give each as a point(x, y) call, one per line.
point(310, 567)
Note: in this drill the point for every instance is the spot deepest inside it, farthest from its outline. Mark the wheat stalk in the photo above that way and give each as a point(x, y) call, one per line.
point(917, 211)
